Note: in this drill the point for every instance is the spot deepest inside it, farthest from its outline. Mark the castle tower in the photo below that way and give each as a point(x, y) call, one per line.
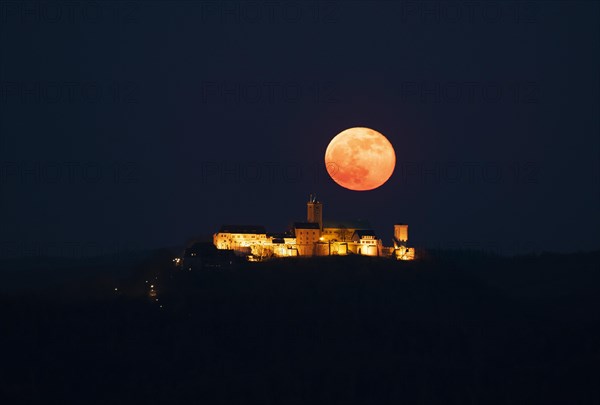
point(401, 232)
point(314, 210)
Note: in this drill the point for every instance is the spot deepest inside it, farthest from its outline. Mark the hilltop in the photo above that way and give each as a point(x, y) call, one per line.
point(456, 327)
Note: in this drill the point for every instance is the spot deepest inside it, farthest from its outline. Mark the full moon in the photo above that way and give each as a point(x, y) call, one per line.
point(360, 159)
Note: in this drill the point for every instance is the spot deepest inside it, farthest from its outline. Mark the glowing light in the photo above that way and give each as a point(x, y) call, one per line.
point(360, 159)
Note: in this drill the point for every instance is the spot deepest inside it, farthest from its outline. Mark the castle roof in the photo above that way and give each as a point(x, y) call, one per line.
point(279, 235)
point(364, 232)
point(306, 225)
point(243, 229)
point(356, 224)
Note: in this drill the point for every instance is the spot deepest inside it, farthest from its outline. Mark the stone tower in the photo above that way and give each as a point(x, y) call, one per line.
point(314, 211)
point(401, 232)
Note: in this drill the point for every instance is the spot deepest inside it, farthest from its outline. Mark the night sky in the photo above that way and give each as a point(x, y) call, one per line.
point(128, 125)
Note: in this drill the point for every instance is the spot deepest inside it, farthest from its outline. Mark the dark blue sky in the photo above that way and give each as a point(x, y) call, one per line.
point(134, 125)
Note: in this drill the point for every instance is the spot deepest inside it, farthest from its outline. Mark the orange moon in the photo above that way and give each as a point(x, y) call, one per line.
point(360, 159)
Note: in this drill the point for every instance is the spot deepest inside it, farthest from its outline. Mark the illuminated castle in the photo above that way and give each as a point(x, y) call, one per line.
point(314, 237)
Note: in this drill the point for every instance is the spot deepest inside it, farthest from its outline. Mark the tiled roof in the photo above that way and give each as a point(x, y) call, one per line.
point(243, 229)
point(306, 225)
point(356, 224)
point(365, 232)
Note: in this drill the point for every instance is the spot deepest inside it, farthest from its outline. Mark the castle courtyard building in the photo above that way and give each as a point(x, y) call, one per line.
point(315, 237)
